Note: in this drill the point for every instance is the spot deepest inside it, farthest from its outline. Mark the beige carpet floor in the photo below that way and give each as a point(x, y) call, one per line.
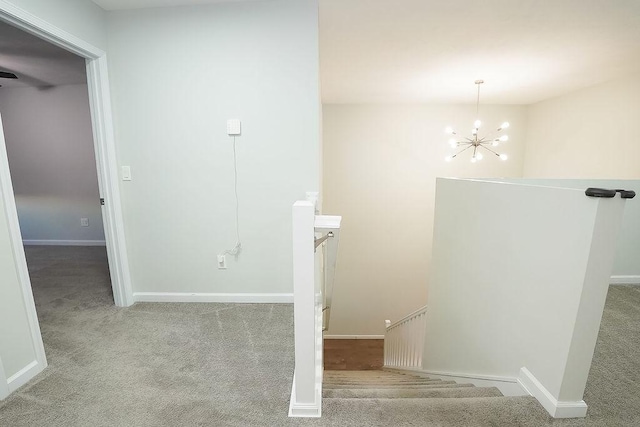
point(232, 364)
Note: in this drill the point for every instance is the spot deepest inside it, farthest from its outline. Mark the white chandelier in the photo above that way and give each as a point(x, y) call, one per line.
point(476, 142)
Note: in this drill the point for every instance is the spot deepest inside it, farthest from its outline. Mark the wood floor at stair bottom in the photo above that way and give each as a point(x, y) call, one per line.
point(353, 354)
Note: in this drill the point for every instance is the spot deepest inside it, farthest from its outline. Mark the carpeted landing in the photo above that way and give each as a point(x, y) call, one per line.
point(232, 365)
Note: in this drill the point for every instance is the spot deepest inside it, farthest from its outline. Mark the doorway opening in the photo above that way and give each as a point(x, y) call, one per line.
point(44, 104)
point(102, 138)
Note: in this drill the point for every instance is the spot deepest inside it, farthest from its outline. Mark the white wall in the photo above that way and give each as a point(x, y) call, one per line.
point(82, 18)
point(177, 74)
point(50, 148)
point(380, 166)
point(591, 133)
point(520, 283)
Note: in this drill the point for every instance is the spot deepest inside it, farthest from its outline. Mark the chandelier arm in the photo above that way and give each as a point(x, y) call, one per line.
point(461, 151)
point(492, 134)
point(489, 149)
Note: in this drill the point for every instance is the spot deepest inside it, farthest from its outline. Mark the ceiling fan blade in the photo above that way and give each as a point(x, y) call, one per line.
point(6, 75)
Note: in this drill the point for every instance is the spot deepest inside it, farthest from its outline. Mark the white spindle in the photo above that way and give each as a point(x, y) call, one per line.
point(404, 341)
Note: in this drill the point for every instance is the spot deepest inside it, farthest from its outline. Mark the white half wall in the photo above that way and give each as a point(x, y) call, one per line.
point(626, 268)
point(177, 75)
point(519, 279)
point(53, 167)
point(380, 169)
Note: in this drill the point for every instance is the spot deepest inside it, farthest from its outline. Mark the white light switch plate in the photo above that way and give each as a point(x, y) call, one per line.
point(126, 173)
point(233, 127)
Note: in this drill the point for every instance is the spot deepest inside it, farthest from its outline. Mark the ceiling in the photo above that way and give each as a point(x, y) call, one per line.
point(421, 51)
point(432, 51)
point(36, 62)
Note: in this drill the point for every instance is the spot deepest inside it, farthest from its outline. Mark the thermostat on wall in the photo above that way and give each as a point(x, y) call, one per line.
point(233, 127)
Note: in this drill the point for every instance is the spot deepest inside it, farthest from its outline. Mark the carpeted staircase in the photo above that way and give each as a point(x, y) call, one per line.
point(391, 385)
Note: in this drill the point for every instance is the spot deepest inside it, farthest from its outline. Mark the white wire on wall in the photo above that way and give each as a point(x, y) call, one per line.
point(237, 248)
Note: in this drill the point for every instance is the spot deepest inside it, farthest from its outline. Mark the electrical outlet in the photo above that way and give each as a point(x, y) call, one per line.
point(84, 222)
point(222, 262)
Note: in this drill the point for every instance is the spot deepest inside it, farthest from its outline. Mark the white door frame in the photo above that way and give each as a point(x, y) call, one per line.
point(104, 145)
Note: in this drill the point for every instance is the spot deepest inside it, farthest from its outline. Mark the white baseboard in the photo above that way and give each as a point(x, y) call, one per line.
point(555, 408)
point(625, 280)
point(212, 297)
point(353, 337)
point(24, 375)
point(64, 243)
point(508, 386)
point(306, 410)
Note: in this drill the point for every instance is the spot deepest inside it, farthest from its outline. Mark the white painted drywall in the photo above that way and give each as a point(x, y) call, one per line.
point(50, 148)
point(591, 133)
point(82, 18)
point(519, 278)
point(16, 348)
point(177, 75)
point(380, 167)
point(626, 267)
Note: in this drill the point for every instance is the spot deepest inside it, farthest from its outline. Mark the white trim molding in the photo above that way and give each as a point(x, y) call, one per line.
point(107, 165)
point(212, 297)
point(64, 243)
point(555, 407)
point(353, 337)
point(625, 280)
point(508, 386)
point(305, 410)
point(24, 375)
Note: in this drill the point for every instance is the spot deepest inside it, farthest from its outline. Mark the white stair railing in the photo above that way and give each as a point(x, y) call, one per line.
point(404, 341)
point(315, 245)
point(327, 227)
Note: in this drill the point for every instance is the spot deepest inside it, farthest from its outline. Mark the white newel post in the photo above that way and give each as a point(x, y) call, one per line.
point(304, 399)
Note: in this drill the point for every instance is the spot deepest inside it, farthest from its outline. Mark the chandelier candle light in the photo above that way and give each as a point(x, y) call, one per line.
point(475, 141)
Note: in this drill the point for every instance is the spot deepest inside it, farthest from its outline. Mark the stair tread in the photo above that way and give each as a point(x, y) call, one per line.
point(366, 404)
point(383, 386)
point(443, 392)
point(384, 383)
point(374, 381)
point(472, 411)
